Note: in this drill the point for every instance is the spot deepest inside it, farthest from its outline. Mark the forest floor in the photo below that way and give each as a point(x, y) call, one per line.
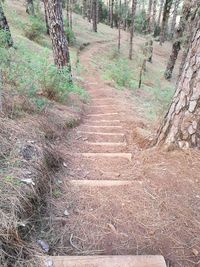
point(117, 195)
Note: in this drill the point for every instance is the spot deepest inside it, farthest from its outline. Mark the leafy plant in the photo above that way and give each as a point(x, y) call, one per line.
point(35, 29)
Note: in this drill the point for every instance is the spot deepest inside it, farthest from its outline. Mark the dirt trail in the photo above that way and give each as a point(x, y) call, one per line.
point(120, 199)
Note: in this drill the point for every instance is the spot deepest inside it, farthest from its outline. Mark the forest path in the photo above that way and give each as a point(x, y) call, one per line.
point(102, 151)
point(121, 199)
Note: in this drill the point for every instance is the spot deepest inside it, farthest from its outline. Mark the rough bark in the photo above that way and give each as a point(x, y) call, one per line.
point(84, 9)
point(165, 19)
point(30, 7)
point(174, 17)
point(5, 27)
point(46, 20)
point(94, 15)
point(56, 29)
point(111, 13)
point(186, 12)
point(160, 12)
point(181, 126)
point(154, 14)
point(70, 13)
point(133, 10)
point(149, 22)
point(119, 26)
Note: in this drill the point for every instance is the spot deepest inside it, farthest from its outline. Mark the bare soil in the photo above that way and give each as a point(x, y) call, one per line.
point(158, 213)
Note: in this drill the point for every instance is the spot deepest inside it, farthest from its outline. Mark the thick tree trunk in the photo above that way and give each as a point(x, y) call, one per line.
point(111, 13)
point(56, 29)
point(160, 12)
point(181, 126)
point(30, 7)
point(173, 24)
point(5, 27)
point(94, 15)
point(165, 19)
point(186, 11)
point(133, 10)
point(149, 18)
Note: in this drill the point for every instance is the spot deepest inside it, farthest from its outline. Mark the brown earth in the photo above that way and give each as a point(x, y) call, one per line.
point(157, 212)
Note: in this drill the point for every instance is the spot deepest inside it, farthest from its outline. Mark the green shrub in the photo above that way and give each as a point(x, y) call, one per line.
point(33, 76)
point(69, 33)
point(35, 29)
point(4, 38)
point(141, 22)
point(120, 72)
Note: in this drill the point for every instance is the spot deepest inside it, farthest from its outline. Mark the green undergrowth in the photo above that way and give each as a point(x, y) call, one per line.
point(30, 72)
point(155, 93)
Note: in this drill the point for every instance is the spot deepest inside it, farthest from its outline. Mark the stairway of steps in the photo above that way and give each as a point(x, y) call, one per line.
point(106, 155)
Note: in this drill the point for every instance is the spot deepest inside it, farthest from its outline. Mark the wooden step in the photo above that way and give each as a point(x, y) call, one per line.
point(127, 156)
point(100, 183)
point(112, 134)
point(104, 126)
point(106, 144)
point(102, 114)
point(106, 261)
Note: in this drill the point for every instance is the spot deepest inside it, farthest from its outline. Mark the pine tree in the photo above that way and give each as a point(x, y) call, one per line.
point(149, 22)
point(133, 11)
point(154, 14)
point(56, 29)
point(165, 19)
point(111, 13)
point(119, 25)
point(181, 124)
point(186, 12)
point(175, 12)
point(160, 12)
point(94, 15)
point(5, 27)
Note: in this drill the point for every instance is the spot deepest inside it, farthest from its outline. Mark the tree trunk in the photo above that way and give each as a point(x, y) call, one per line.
point(125, 15)
point(119, 26)
point(30, 7)
point(165, 19)
point(173, 24)
point(46, 19)
point(181, 126)
point(56, 29)
point(154, 14)
point(84, 9)
point(149, 21)
point(133, 10)
point(186, 11)
point(111, 13)
point(94, 15)
point(160, 12)
point(5, 27)
point(70, 13)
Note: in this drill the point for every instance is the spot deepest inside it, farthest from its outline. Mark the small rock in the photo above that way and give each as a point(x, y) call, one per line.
point(48, 263)
point(195, 252)
point(43, 245)
point(64, 164)
point(66, 213)
point(28, 181)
